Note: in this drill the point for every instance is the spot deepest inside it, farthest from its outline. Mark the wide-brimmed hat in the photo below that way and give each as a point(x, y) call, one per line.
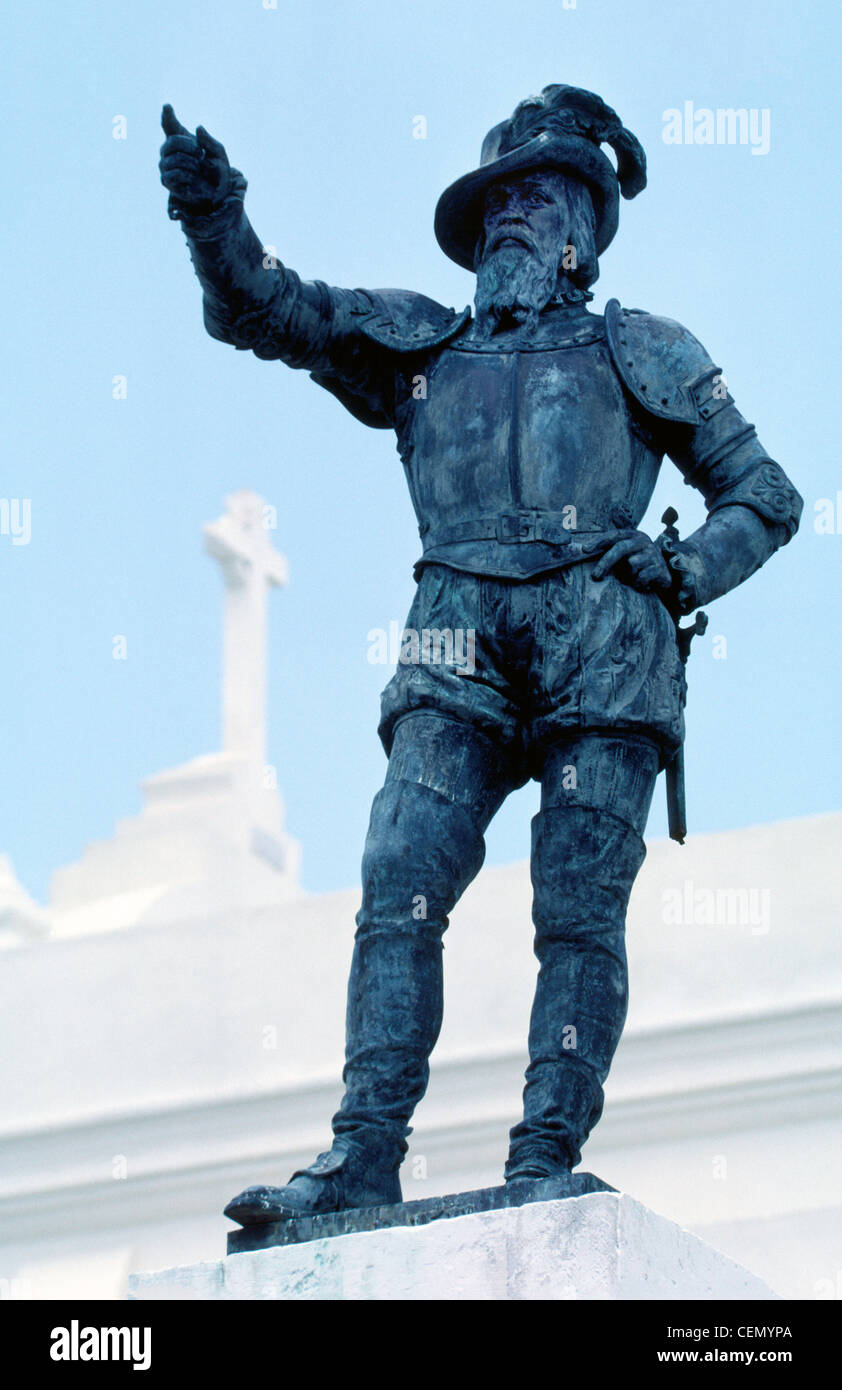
point(562, 129)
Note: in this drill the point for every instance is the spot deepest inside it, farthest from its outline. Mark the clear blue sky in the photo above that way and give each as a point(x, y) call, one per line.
point(315, 103)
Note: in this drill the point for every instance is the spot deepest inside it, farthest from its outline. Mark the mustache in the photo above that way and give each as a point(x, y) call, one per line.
point(505, 232)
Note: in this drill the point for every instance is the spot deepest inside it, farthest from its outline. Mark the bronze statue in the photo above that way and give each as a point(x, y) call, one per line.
point(531, 434)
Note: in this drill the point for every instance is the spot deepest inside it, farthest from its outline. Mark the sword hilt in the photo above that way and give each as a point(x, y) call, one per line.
point(669, 518)
point(699, 624)
point(685, 635)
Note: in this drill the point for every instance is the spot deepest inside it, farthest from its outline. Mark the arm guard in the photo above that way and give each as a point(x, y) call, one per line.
point(753, 509)
point(752, 506)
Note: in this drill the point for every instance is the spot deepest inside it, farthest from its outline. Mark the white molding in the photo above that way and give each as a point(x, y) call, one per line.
point(669, 1088)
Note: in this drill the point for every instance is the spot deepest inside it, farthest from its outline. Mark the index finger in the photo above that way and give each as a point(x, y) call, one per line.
point(170, 123)
point(207, 141)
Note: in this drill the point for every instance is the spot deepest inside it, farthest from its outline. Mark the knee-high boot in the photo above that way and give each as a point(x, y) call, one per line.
point(584, 863)
point(424, 845)
point(421, 852)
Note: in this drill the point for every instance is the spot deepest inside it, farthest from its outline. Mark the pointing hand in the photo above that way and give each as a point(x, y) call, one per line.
point(194, 168)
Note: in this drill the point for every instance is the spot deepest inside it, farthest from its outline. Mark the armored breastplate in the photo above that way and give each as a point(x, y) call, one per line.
point(524, 452)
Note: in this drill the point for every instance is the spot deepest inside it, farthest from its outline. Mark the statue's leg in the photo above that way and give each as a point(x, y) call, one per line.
point(586, 853)
point(424, 846)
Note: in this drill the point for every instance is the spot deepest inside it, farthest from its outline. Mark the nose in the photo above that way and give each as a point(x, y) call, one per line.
point(508, 215)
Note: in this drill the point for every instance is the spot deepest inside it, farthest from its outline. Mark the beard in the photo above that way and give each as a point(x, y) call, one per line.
point(513, 286)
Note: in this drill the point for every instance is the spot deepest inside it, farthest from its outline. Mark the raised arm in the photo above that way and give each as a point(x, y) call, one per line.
point(252, 301)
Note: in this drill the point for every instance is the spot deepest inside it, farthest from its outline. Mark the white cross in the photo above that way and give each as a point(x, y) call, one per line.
point(239, 540)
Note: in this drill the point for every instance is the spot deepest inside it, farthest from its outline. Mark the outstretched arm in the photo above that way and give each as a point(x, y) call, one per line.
point(250, 299)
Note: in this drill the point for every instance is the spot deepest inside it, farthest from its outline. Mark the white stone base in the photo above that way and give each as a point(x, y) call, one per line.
point(603, 1246)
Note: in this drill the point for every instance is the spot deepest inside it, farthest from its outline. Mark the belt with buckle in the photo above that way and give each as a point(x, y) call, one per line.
point(517, 525)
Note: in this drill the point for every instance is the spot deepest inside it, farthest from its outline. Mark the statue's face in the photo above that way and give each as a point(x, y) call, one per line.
point(522, 243)
point(528, 210)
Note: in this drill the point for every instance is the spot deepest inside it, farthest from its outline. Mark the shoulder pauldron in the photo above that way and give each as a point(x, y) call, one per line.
point(404, 321)
point(664, 367)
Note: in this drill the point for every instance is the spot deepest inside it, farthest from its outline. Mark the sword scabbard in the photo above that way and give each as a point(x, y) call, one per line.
point(674, 769)
point(676, 804)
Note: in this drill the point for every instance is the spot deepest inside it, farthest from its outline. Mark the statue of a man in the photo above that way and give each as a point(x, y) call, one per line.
point(531, 434)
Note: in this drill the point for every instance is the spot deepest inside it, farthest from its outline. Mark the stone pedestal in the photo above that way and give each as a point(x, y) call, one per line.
point(603, 1245)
